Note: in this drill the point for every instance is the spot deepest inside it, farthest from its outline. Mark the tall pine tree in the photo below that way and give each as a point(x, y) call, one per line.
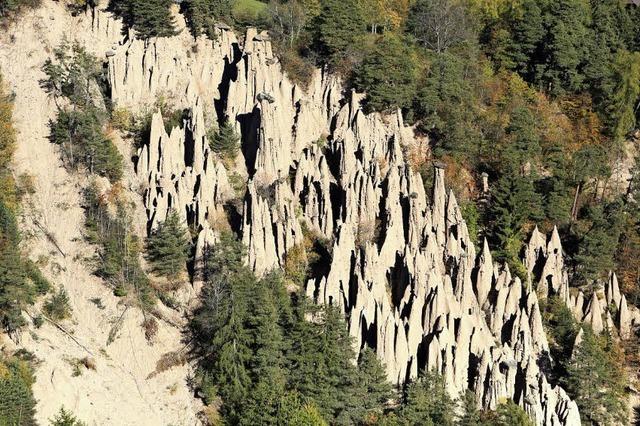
point(167, 247)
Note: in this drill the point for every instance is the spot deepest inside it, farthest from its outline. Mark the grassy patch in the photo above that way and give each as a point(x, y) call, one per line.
point(249, 12)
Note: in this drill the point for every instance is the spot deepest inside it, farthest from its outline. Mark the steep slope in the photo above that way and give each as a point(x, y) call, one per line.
point(118, 391)
point(403, 268)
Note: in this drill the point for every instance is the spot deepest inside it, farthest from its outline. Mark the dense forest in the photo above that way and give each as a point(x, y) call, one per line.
point(539, 96)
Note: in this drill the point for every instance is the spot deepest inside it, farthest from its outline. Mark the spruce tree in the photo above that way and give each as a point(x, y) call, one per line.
point(372, 390)
point(513, 202)
point(267, 362)
point(388, 75)
point(469, 414)
point(606, 39)
point(167, 247)
point(596, 380)
point(526, 31)
point(15, 290)
point(566, 46)
point(622, 94)
point(65, 418)
point(320, 359)
point(221, 328)
point(225, 141)
point(427, 402)
point(17, 405)
point(201, 15)
point(149, 18)
point(337, 28)
point(598, 237)
point(292, 411)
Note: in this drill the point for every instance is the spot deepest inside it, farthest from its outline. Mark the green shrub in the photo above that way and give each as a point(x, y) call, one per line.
point(299, 69)
point(57, 307)
point(38, 321)
point(297, 264)
point(224, 141)
point(122, 119)
point(118, 262)
point(140, 129)
point(41, 284)
point(65, 418)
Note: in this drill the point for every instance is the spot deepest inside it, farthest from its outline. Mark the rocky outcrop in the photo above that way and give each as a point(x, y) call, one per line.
point(179, 172)
point(605, 309)
point(403, 267)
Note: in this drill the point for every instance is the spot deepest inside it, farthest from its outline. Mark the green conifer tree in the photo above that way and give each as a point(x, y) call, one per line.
point(598, 237)
point(267, 362)
point(321, 357)
point(469, 415)
point(526, 32)
point(596, 381)
point(388, 75)
point(225, 141)
point(65, 418)
point(220, 325)
point(514, 201)
point(167, 247)
point(149, 18)
point(338, 28)
point(372, 390)
point(566, 48)
point(202, 15)
point(623, 93)
point(292, 411)
point(427, 402)
point(17, 405)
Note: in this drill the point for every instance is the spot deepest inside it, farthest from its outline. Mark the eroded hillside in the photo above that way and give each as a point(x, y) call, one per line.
point(400, 263)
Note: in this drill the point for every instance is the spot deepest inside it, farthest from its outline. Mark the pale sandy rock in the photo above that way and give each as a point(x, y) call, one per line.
point(535, 249)
point(403, 268)
point(179, 172)
point(624, 319)
point(612, 290)
point(485, 274)
point(579, 338)
point(593, 315)
point(438, 205)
